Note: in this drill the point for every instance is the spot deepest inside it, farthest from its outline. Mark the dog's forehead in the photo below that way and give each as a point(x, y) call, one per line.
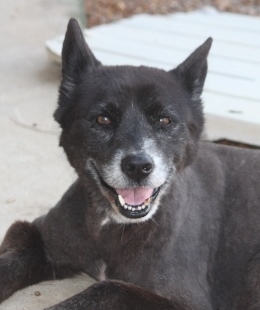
point(135, 84)
point(126, 76)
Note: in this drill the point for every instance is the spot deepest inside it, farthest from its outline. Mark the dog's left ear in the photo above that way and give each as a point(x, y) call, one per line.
point(192, 72)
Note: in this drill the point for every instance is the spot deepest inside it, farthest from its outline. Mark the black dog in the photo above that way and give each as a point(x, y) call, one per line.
point(162, 220)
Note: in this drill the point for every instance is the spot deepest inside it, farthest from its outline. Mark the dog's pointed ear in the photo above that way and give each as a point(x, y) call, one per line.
point(192, 72)
point(77, 58)
point(76, 55)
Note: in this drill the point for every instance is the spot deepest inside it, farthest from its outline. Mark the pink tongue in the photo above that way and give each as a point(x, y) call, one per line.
point(135, 196)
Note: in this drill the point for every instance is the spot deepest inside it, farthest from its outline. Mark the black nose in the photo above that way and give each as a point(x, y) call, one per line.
point(137, 167)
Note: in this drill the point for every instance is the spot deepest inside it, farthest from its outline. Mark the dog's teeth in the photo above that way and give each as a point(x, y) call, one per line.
point(130, 208)
point(121, 200)
point(147, 201)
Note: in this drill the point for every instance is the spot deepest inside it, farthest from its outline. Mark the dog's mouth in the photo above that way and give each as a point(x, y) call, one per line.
point(133, 202)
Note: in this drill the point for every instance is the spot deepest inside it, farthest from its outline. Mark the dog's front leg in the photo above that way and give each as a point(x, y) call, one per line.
point(23, 260)
point(118, 295)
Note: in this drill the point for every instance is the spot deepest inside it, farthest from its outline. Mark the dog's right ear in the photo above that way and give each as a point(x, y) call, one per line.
point(76, 55)
point(77, 59)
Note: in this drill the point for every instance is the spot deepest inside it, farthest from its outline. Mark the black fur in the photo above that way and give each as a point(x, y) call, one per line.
point(23, 261)
point(191, 236)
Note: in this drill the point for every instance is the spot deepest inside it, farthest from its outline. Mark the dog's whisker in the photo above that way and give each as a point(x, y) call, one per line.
point(154, 221)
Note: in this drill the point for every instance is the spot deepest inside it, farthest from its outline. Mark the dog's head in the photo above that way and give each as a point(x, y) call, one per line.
point(131, 128)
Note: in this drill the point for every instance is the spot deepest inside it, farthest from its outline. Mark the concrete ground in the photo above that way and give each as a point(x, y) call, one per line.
point(34, 172)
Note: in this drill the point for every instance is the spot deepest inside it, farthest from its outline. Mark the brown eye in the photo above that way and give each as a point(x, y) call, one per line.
point(164, 120)
point(104, 120)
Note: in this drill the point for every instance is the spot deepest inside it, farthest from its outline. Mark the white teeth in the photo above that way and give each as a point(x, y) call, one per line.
point(121, 200)
point(131, 208)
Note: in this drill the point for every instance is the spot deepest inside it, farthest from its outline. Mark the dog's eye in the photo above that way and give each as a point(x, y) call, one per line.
point(164, 121)
point(104, 120)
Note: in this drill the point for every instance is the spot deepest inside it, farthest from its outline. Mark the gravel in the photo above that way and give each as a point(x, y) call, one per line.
point(105, 11)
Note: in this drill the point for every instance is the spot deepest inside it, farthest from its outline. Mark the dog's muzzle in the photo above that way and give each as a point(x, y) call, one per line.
point(133, 202)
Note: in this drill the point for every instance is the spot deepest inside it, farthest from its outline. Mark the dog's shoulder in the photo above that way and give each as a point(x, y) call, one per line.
point(227, 166)
point(228, 154)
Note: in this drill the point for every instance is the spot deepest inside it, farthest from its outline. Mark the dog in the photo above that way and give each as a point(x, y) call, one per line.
point(162, 220)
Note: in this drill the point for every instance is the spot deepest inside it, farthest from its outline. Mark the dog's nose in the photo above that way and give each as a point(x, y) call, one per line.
point(137, 167)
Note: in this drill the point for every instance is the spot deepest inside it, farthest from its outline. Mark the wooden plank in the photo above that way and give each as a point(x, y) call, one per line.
point(238, 22)
point(176, 40)
point(247, 90)
point(232, 107)
point(169, 54)
point(159, 23)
